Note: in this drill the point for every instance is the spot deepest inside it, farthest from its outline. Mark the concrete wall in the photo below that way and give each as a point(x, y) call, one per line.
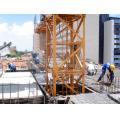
point(39, 42)
point(36, 42)
point(109, 41)
point(92, 37)
point(42, 41)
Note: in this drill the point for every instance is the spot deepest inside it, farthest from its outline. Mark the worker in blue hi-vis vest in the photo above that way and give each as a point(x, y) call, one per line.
point(12, 67)
point(110, 68)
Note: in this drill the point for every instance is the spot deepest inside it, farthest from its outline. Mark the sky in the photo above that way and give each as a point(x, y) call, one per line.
point(18, 29)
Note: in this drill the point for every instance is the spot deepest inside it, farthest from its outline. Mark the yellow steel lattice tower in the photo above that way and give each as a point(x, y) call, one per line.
point(64, 52)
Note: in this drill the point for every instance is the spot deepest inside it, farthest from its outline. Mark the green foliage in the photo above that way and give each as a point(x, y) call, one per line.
point(17, 54)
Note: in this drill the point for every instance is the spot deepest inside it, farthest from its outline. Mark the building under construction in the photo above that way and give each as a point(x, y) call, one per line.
point(62, 43)
point(57, 71)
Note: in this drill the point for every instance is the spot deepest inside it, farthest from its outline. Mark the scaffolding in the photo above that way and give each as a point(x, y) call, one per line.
point(64, 52)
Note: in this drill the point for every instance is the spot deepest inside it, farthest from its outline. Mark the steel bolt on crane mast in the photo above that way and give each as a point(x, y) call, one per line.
point(64, 52)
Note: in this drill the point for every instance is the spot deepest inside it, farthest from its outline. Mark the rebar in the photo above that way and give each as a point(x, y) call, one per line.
point(37, 91)
point(34, 97)
point(29, 92)
point(18, 93)
point(10, 93)
point(2, 93)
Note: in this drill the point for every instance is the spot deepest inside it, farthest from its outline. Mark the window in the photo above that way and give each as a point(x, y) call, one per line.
point(116, 38)
point(116, 43)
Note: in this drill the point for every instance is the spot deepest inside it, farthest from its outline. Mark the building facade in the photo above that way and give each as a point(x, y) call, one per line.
point(112, 41)
point(102, 19)
point(92, 37)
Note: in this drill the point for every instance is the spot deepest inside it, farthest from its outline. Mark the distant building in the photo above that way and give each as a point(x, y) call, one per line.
point(112, 41)
point(102, 19)
point(27, 57)
point(36, 42)
point(13, 49)
point(38, 39)
point(39, 42)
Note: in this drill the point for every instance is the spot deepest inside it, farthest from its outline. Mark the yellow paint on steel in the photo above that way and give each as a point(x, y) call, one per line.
point(65, 45)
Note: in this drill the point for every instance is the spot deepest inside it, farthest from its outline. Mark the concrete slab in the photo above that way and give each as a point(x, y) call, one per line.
point(18, 85)
point(91, 98)
point(91, 83)
point(41, 78)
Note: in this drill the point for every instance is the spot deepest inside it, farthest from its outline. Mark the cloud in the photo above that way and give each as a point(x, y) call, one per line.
point(20, 35)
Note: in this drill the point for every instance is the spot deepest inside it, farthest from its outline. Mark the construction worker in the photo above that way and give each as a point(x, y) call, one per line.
point(12, 67)
point(111, 69)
